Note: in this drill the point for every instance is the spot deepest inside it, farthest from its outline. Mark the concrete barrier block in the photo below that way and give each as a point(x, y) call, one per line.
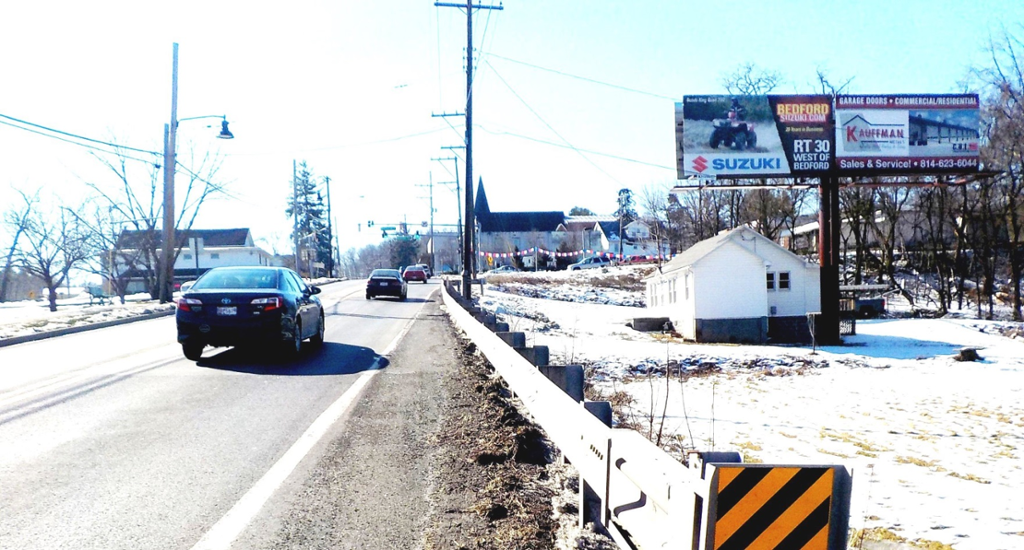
point(569, 378)
point(601, 409)
point(516, 340)
point(538, 356)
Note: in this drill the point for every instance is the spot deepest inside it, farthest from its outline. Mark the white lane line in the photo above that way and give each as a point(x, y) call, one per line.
point(227, 529)
point(237, 519)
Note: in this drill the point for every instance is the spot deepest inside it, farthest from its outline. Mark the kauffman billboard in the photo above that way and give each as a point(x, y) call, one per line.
point(907, 134)
point(753, 136)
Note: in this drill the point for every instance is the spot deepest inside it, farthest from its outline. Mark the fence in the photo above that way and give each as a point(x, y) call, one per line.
point(642, 496)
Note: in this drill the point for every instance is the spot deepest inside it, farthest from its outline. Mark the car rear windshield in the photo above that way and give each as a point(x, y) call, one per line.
point(237, 278)
point(379, 273)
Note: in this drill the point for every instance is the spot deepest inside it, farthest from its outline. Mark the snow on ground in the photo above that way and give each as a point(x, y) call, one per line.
point(934, 444)
point(34, 316)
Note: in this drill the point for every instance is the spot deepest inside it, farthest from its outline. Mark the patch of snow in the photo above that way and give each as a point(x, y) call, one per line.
point(935, 445)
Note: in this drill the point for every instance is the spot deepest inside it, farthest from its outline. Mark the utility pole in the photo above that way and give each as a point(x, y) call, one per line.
point(468, 252)
point(458, 202)
point(433, 267)
point(166, 278)
point(330, 234)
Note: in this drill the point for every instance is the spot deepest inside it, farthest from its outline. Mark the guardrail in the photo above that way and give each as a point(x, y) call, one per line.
point(643, 497)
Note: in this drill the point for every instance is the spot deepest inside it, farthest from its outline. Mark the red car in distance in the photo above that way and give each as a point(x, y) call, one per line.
point(414, 273)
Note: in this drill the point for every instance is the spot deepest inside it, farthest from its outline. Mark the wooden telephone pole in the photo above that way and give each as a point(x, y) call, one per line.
point(467, 243)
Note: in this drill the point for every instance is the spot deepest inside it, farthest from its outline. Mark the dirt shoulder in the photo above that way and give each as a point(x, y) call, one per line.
point(496, 480)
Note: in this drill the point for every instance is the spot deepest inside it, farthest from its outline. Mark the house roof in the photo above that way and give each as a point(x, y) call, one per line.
point(610, 229)
point(573, 225)
point(496, 222)
point(695, 253)
point(500, 222)
point(129, 239)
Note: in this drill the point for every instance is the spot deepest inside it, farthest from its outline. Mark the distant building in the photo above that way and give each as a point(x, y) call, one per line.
point(513, 232)
point(738, 286)
point(202, 250)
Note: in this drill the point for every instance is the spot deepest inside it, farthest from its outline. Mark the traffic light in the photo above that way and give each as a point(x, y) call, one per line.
point(369, 223)
point(383, 234)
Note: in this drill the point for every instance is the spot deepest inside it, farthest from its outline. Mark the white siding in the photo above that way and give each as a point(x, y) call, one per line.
point(729, 284)
point(804, 285)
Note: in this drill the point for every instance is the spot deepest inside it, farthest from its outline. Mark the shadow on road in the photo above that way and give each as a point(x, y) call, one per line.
point(329, 359)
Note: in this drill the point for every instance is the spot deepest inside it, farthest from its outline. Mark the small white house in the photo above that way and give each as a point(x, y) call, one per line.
point(738, 286)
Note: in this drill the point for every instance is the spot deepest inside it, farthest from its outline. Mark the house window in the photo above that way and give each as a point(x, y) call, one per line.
point(215, 256)
point(771, 280)
point(783, 280)
point(686, 287)
point(186, 256)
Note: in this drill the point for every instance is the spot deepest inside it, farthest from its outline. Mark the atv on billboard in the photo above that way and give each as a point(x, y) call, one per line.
point(754, 136)
point(900, 134)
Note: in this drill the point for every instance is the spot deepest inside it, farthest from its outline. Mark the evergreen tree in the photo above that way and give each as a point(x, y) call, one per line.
point(306, 202)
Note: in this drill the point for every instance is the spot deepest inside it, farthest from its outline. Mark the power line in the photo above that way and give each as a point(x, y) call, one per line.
point(346, 146)
point(85, 145)
point(545, 142)
point(583, 78)
point(536, 114)
point(76, 136)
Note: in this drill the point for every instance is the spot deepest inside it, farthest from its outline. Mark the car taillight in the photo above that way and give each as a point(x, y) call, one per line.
point(268, 304)
point(189, 304)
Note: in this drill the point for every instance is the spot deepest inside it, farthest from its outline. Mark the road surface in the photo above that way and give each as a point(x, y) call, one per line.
point(111, 439)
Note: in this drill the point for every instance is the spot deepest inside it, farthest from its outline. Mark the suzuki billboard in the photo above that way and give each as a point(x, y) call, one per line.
point(753, 136)
point(807, 135)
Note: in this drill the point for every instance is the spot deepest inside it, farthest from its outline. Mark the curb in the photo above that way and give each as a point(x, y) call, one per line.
point(72, 330)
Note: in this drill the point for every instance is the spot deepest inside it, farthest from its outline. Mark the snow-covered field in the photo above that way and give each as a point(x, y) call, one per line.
point(934, 444)
point(34, 316)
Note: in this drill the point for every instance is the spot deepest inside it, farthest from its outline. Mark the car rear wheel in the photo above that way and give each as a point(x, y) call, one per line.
point(318, 338)
point(294, 346)
point(192, 351)
point(368, 296)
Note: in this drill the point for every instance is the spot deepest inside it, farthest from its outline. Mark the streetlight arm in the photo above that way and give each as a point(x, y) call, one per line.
point(222, 117)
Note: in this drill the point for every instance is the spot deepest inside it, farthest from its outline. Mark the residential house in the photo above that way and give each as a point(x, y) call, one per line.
point(201, 250)
point(637, 241)
point(738, 286)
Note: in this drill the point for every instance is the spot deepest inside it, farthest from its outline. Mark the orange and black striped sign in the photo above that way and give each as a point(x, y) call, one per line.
point(773, 507)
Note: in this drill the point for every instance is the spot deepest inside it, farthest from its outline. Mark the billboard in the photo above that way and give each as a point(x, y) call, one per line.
point(754, 136)
point(906, 134)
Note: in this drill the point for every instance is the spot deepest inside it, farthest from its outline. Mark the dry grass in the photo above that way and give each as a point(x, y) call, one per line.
point(882, 534)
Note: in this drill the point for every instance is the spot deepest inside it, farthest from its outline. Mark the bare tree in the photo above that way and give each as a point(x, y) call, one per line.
point(1003, 113)
point(134, 202)
point(749, 79)
point(17, 219)
point(54, 244)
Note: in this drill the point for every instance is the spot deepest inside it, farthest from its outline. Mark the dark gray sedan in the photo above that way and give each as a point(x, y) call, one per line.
point(249, 306)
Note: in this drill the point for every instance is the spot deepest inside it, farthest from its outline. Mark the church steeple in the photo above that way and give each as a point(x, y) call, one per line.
point(481, 209)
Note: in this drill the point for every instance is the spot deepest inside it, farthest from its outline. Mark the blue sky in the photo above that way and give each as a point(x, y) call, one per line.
point(349, 86)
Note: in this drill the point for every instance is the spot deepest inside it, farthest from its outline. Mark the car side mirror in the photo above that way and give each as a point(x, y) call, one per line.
point(314, 290)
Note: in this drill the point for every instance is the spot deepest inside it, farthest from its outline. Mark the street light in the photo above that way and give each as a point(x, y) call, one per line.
point(166, 278)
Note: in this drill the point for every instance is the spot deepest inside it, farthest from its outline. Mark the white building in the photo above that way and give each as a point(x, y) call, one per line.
point(738, 286)
point(202, 249)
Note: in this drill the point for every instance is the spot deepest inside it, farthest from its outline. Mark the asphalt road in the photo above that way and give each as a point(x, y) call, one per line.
point(111, 439)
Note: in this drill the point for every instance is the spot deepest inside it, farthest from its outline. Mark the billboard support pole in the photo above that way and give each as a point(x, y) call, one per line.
point(829, 226)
